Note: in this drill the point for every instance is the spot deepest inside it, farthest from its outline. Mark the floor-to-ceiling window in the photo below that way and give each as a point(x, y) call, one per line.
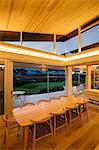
point(36, 82)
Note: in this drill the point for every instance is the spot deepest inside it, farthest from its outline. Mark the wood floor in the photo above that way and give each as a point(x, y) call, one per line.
point(83, 138)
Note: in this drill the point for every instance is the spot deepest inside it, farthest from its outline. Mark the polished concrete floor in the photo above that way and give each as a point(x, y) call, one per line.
point(84, 138)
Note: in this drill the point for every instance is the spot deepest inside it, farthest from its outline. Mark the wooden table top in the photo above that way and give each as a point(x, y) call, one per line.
point(38, 112)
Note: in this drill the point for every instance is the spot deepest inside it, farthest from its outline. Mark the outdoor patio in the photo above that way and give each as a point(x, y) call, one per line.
point(35, 98)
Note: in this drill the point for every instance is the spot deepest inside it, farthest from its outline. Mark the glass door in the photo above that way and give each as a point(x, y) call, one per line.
point(1, 89)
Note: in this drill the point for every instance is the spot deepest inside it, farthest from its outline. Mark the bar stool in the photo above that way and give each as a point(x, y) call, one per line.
point(83, 109)
point(60, 116)
point(42, 122)
point(73, 109)
point(10, 125)
point(46, 120)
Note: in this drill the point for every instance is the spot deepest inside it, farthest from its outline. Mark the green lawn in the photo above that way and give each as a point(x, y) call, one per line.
point(41, 87)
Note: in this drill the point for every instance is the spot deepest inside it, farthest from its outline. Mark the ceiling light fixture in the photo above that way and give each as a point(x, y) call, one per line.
point(43, 68)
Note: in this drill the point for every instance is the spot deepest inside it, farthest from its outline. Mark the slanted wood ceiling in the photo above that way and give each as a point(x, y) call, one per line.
point(46, 16)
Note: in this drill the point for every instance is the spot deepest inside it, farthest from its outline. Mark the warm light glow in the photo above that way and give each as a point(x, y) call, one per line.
point(47, 55)
point(87, 54)
point(43, 68)
point(2, 66)
point(73, 72)
point(31, 53)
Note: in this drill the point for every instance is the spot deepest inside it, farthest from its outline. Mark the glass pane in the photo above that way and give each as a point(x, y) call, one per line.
point(78, 80)
point(67, 46)
point(28, 82)
point(31, 83)
point(44, 46)
point(90, 36)
point(57, 82)
point(1, 90)
point(31, 80)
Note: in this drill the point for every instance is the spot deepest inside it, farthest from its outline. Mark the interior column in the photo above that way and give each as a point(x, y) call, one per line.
point(69, 80)
point(8, 86)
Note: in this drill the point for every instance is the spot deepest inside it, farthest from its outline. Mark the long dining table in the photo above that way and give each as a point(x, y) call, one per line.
point(29, 113)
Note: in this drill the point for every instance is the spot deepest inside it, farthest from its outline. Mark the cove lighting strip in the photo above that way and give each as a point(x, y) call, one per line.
point(47, 56)
point(30, 53)
point(84, 55)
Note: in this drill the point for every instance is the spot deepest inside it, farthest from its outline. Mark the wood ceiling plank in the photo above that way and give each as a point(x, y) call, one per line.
point(4, 14)
point(38, 17)
point(63, 13)
point(46, 16)
point(74, 21)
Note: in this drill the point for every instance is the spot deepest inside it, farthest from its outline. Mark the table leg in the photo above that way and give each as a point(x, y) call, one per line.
point(26, 134)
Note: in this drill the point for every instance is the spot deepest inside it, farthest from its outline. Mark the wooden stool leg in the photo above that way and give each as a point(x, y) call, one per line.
point(4, 137)
point(79, 116)
point(87, 111)
point(70, 121)
point(26, 133)
point(87, 115)
point(51, 128)
point(55, 128)
point(18, 130)
point(34, 136)
point(66, 123)
point(41, 128)
point(7, 139)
